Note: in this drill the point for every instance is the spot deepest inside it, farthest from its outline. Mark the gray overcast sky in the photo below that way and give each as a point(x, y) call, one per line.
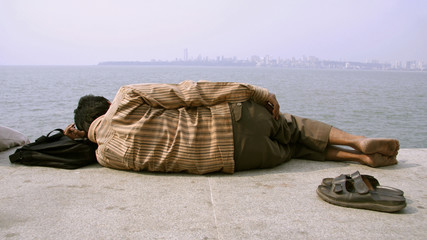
point(80, 32)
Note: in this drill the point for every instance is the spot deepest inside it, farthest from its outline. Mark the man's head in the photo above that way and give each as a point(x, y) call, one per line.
point(89, 108)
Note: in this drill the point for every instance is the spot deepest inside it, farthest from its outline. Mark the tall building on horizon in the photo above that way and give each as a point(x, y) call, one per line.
point(186, 54)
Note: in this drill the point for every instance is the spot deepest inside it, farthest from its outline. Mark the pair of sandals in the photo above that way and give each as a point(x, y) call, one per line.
point(361, 191)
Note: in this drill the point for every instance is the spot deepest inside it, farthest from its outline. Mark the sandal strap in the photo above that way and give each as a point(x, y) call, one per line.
point(355, 179)
point(339, 183)
point(358, 183)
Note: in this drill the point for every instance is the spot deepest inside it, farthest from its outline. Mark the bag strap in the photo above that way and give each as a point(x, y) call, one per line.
point(58, 129)
point(49, 137)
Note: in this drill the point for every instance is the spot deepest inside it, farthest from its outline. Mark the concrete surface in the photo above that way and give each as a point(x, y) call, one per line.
point(279, 203)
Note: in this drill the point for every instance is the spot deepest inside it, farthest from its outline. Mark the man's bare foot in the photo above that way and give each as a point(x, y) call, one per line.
point(384, 146)
point(379, 160)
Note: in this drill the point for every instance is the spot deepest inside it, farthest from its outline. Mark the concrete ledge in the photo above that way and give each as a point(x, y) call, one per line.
point(279, 203)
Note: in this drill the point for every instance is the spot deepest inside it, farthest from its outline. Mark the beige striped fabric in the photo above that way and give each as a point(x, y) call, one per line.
point(171, 127)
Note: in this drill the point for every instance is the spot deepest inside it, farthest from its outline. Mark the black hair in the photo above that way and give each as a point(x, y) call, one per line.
point(90, 107)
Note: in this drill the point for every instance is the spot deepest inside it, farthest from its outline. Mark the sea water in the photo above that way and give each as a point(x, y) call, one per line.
point(37, 99)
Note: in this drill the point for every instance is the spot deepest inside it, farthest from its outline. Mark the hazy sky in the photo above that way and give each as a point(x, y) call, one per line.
point(80, 32)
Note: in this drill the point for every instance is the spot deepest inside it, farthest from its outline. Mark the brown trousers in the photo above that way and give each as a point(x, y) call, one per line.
point(260, 141)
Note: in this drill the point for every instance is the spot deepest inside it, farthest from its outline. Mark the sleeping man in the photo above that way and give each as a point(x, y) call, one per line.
point(204, 127)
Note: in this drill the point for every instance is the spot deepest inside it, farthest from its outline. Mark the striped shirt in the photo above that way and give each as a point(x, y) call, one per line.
point(171, 127)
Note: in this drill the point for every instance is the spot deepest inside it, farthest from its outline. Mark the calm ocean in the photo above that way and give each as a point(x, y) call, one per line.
point(37, 99)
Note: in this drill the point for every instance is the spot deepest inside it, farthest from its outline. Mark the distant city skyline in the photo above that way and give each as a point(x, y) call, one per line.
point(267, 61)
point(187, 56)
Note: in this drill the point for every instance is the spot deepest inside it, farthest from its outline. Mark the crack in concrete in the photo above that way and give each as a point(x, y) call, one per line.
point(213, 209)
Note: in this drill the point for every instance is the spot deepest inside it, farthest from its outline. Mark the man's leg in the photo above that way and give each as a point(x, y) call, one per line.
point(384, 146)
point(374, 160)
point(375, 152)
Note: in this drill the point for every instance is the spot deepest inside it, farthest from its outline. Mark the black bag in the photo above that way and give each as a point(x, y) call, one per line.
point(58, 151)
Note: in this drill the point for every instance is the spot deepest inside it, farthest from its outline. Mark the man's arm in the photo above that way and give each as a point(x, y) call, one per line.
point(203, 93)
point(192, 94)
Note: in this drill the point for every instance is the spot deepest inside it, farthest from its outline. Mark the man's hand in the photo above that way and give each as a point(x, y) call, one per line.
point(71, 132)
point(273, 106)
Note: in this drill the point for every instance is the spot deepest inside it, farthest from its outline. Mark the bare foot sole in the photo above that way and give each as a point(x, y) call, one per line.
point(379, 160)
point(384, 146)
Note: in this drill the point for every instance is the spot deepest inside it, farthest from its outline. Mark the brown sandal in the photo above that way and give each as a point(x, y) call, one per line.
point(372, 180)
point(356, 193)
